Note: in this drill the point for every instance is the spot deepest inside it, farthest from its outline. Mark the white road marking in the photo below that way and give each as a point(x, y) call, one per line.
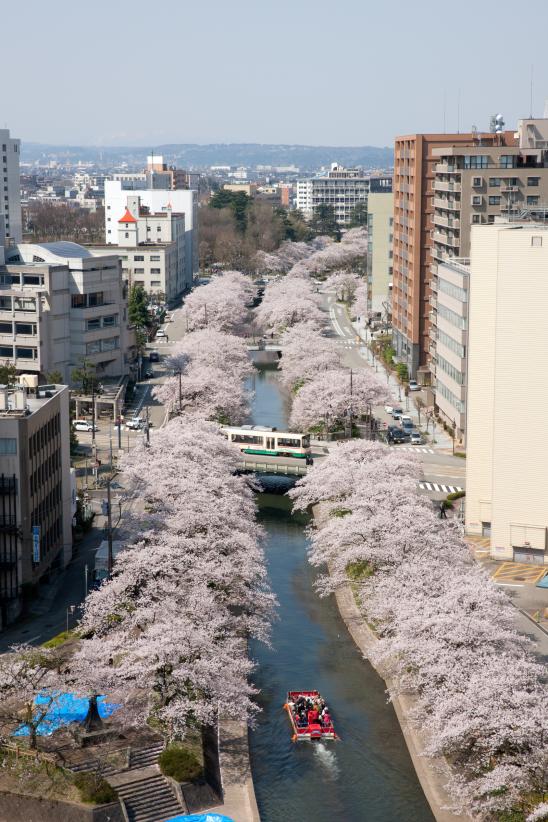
point(508, 584)
point(433, 486)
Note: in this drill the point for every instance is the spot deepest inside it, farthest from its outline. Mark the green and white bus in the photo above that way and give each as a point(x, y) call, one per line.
point(268, 442)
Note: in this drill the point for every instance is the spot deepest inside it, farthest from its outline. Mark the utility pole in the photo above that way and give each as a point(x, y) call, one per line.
point(180, 391)
point(109, 529)
point(148, 429)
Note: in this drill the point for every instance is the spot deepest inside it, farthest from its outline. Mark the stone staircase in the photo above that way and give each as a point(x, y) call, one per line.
point(138, 758)
point(146, 795)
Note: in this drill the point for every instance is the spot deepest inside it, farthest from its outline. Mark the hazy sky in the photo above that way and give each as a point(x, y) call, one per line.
point(350, 72)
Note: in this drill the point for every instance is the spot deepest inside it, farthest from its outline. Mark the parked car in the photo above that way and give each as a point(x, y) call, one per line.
point(154, 356)
point(388, 409)
point(135, 423)
point(398, 436)
point(397, 413)
point(414, 386)
point(416, 438)
point(161, 333)
point(83, 425)
point(405, 420)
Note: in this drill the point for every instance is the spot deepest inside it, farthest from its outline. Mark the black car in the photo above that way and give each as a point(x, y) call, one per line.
point(397, 435)
point(154, 356)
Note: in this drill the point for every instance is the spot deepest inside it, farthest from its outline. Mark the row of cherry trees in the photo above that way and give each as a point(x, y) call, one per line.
point(221, 304)
point(317, 257)
point(446, 632)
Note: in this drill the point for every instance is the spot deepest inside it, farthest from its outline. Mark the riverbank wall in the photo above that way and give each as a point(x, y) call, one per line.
point(432, 772)
point(239, 802)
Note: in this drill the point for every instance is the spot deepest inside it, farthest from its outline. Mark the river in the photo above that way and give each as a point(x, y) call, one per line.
point(367, 776)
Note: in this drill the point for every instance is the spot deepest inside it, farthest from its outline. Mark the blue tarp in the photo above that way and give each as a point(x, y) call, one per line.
point(201, 817)
point(543, 583)
point(64, 709)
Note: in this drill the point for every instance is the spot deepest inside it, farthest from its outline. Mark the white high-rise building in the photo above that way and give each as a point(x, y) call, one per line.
point(507, 452)
point(179, 201)
point(11, 227)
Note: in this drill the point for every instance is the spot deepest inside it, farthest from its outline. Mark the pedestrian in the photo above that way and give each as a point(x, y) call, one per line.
point(443, 515)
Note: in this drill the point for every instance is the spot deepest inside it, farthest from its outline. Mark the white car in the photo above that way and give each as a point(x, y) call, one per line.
point(388, 408)
point(414, 386)
point(135, 423)
point(83, 425)
point(161, 333)
point(416, 438)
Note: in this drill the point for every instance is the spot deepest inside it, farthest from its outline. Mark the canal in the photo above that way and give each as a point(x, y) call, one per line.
point(367, 776)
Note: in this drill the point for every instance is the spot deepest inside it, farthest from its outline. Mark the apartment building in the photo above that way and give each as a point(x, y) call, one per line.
point(152, 249)
point(473, 186)
point(60, 304)
point(380, 219)
point(11, 228)
point(507, 457)
point(35, 491)
point(414, 195)
point(157, 201)
point(342, 188)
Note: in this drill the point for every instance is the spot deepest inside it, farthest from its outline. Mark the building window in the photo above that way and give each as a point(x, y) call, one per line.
point(139, 270)
point(22, 304)
point(6, 351)
point(155, 270)
point(93, 325)
point(25, 353)
point(507, 161)
point(477, 182)
point(494, 200)
point(96, 298)
point(79, 301)
point(154, 258)
point(532, 200)
point(28, 329)
point(5, 303)
point(111, 321)
point(109, 345)
point(6, 328)
point(533, 181)
point(536, 241)
point(32, 279)
point(138, 258)
point(476, 200)
point(8, 446)
point(479, 161)
point(451, 317)
point(476, 218)
point(93, 347)
point(490, 219)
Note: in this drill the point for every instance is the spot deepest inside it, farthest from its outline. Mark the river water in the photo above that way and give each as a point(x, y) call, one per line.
point(367, 776)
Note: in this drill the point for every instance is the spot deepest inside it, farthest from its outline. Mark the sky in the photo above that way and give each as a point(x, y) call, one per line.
point(348, 73)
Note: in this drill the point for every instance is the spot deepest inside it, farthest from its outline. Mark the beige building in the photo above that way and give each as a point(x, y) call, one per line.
point(380, 220)
point(36, 495)
point(60, 305)
point(507, 452)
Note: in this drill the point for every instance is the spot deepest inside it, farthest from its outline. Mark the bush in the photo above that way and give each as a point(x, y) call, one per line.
point(179, 763)
point(456, 495)
point(359, 570)
point(58, 639)
point(401, 371)
point(94, 789)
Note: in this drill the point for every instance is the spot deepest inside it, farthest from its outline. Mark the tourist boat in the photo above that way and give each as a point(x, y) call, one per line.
point(309, 731)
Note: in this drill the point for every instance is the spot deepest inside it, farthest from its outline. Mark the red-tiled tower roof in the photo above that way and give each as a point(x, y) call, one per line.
point(127, 218)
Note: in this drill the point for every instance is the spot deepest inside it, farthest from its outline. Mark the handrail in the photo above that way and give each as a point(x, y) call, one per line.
point(29, 752)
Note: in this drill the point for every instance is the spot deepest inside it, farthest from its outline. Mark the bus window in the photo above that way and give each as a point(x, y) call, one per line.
point(306, 441)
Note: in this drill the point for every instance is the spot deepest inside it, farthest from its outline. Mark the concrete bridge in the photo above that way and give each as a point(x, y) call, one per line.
point(273, 465)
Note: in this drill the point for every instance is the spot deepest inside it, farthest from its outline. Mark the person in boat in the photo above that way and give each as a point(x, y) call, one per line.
point(313, 716)
point(325, 718)
point(302, 721)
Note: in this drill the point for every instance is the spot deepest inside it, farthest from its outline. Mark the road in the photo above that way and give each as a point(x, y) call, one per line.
point(441, 470)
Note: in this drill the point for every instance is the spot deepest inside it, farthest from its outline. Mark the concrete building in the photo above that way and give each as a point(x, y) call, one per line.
point(380, 219)
point(60, 304)
point(507, 455)
point(449, 341)
point(11, 229)
point(157, 201)
point(36, 495)
point(342, 188)
point(414, 195)
point(154, 247)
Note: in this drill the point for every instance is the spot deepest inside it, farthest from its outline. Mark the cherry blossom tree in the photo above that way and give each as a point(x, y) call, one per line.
point(305, 354)
point(288, 302)
point(334, 396)
point(344, 284)
point(221, 304)
point(360, 304)
point(446, 634)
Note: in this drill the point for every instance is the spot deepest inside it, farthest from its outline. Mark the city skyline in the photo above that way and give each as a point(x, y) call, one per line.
point(243, 73)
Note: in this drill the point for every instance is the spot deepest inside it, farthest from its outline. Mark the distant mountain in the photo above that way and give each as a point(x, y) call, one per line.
point(185, 155)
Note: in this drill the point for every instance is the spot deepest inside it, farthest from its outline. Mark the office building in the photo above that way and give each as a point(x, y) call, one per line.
point(414, 195)
point(155, 201)
point(507, 456)
point(11, 228)
point(342, 188)
point(60, 304)
point(152, 249)
point(380, 218)
point(35, 491)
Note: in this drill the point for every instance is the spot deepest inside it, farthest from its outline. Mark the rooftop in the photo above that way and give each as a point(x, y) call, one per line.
point(18, 402)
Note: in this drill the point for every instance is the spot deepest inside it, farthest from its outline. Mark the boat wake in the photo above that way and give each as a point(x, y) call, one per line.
point(327, 758)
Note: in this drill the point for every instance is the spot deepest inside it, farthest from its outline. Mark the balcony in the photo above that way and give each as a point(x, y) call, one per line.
point(446, 239)
point(433, 300)
point(446, 204)
point(446, 168)
point(446, 220)
point(443, 185)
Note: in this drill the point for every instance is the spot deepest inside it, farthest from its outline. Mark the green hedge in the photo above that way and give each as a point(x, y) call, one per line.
point(179, 763)
point(456, 495)
point(94, 789)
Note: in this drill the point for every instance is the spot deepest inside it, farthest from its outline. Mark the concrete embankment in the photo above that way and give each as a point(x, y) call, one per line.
point(433, 772)
point(239, 801)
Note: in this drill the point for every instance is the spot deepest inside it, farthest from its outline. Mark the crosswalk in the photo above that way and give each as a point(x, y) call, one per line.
point(438, 488)
point(416, 449)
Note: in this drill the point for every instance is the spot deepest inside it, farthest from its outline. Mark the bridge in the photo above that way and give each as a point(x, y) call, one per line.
point(273, 465)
